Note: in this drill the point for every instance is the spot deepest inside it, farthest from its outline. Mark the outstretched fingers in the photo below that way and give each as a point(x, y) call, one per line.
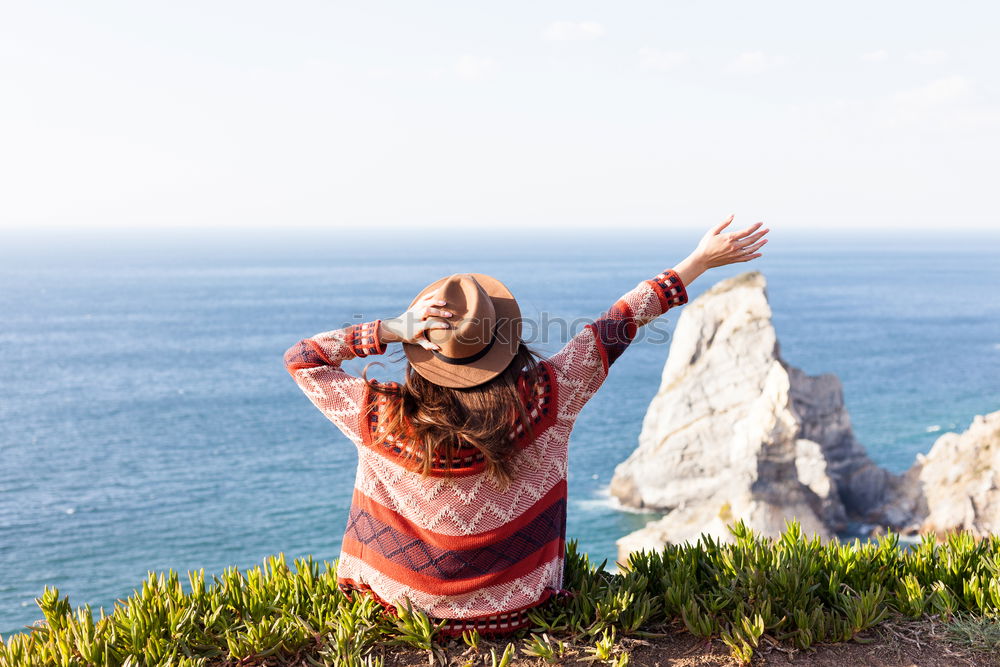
point(752, 238)
point(718, 249)
point(741, 235)
point(722, 225)
point(750, 252)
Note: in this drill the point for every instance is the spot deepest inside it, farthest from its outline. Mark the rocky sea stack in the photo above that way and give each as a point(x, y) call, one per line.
point(735, 432)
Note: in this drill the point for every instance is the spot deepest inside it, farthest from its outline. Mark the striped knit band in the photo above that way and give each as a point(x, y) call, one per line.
point(363, 338)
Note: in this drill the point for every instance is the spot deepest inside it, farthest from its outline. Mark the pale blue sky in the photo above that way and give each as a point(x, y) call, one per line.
point(350, 115)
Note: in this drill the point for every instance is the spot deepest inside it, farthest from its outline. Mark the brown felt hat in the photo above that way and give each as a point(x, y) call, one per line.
point(484, 335)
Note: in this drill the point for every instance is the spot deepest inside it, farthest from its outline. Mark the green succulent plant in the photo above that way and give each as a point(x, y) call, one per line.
point(794, 589)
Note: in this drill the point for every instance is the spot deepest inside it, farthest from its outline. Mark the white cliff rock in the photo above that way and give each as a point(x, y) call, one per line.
point(734, 432)
point(959, 480)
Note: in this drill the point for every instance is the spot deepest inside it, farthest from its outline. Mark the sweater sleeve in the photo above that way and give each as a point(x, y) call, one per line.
point(581, 366)
point(314, 364)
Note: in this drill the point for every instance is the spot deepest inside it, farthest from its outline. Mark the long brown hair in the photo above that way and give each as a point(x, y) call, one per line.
point(440, 420)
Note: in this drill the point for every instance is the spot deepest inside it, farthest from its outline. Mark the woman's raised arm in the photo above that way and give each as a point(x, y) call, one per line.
point(314, 364)
point(582, 364)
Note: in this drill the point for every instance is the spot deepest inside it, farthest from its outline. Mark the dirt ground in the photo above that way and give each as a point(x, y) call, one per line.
point(918, 644)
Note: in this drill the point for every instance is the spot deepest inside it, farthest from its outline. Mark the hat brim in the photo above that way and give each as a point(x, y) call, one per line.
point(494, 362)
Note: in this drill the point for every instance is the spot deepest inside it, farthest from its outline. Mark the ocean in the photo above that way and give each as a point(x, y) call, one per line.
point(147, 421)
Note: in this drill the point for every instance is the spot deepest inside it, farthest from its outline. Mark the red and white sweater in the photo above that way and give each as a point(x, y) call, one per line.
point(452, 543)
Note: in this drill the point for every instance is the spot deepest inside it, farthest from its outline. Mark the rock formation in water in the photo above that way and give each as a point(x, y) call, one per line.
point(958, 482)
point(734, 432)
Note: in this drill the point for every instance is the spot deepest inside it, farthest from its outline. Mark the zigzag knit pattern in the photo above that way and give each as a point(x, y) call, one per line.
point(453, 543)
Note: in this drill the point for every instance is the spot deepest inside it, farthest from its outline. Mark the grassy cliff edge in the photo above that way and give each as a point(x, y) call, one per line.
point(794, 592)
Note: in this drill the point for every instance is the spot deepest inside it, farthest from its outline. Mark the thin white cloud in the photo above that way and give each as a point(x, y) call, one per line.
point(945, 105)
point(940, 92)
point(474, 68)
point(572, 31)
point(380, 72)
point(754, 62)
point(879, 56)
point(948, 104)
point(928, 57)
point(662, 61)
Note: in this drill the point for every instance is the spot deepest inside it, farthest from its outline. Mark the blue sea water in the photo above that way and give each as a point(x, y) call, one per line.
point(147, 422)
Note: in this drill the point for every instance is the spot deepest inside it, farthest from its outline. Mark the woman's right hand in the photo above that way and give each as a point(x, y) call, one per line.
point(411, 325)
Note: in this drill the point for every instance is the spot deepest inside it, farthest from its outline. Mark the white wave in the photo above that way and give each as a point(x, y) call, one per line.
point(605, 501)
point(933, 428)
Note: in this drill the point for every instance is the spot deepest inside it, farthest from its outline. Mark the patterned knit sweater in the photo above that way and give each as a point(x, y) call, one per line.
point(453, 543)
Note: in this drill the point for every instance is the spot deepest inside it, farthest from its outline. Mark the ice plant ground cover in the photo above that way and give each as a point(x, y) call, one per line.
point(795, 591)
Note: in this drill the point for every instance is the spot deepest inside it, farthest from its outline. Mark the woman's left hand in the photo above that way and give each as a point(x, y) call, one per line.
point(410, 326)
point(719, 249)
